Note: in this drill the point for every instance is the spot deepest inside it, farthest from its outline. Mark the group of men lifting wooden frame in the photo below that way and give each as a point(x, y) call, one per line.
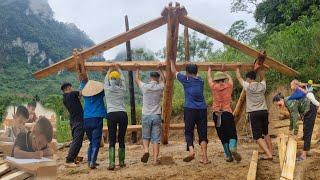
point(195, 109)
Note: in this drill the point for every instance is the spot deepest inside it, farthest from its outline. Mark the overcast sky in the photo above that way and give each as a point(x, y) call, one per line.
point(103, 19)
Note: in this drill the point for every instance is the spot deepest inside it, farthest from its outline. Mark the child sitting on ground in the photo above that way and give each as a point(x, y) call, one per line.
point(34, 144)
point(19, 119)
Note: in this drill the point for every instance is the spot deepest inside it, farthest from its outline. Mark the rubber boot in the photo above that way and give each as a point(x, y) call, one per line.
point(112, 158)
point(92, 162)
point(122, 157)
point(233, 150)
point(227, 152)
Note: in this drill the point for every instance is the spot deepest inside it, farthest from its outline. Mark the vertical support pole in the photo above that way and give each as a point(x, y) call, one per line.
point(80, 67)
point(131, 86)
point(171, 55)
point(186, 44)
point(239, 107)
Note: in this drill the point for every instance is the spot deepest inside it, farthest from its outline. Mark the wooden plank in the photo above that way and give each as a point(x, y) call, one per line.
point(153, 65)
point(178, 126)
point(6, 148)
point(239, 106)
point(99, 48)
point(282, 148)
point(171, 55)
point(206, 30)
point(4, 168)
point(16, 176)
point(41, 170)
point(290, 160)
point(252, 173)
point(186, 44)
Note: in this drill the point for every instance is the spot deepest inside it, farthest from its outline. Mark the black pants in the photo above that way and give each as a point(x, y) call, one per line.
point(194, 117)
point(259, 121)
point(77, 139)
point(308, 124)
point(117, 119)
point(227, 130)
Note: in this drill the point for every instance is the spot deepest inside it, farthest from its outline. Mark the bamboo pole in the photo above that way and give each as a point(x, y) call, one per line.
point(171, 54)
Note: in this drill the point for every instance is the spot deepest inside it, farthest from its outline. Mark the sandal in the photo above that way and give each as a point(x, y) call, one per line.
point(299, 158)
point(145, 157)
point(236, 156)
point(202, 162)
point(265, 159)
point(188, 158)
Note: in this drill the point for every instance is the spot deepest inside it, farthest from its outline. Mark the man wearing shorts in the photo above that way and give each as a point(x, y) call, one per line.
point(151, 113)
point(257, 109)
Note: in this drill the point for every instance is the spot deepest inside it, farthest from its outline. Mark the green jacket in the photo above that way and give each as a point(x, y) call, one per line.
point(297, 108)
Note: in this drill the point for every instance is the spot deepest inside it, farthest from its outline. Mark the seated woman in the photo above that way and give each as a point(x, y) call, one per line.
point(114, 87)
point(18, 126)
point(34, 144)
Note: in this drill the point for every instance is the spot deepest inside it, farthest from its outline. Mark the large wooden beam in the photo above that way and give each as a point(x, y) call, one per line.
point(186, 44)
point(282, 148)
point(252, 173)
point(171, 55)
point(153, 65)
point(99, 48)
point(206, 30)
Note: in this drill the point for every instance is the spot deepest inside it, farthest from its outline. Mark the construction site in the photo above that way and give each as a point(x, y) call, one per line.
point(172, 149)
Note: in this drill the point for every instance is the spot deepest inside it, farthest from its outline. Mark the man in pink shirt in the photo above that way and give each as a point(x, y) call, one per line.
point(221, 88)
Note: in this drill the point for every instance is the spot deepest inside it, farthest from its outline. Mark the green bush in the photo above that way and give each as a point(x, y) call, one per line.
point(63, 132)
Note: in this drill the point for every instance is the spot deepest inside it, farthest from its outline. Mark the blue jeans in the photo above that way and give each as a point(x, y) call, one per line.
point(151, 128)
point(93, 128)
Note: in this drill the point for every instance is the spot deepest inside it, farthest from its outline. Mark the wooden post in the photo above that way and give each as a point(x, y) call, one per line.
point(282, 148)
point(290, 160)
point(131, 86)
point(239, 107)
point(252, 173)
point(171, 54)
point(186, 44)
point(80, 67)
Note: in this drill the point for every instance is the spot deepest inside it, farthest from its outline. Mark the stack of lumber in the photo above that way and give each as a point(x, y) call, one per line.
point(22, 169)
point(287, 148)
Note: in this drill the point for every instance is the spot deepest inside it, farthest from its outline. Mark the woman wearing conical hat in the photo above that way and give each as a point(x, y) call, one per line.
point(221, 87)
point(94, 112)
point(115, 89)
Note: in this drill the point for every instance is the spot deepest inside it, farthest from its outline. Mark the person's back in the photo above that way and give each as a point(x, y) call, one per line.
point(152, 95)
point(222, 97)
point(72, 102)
point(255, 97)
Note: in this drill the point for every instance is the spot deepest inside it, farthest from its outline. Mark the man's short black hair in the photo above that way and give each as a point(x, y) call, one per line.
point(192, 69)
point(65, 85)
point(251, 75)
point(32, 104)
point(22, 112)
point(44, 127)
point(277, 97)
point(154, 74)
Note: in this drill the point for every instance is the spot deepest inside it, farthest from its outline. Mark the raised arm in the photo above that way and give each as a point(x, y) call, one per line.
point(137, 77)
point(210, 81)
point(162, 75)
point(173, 68)
point(123, 84)
point(238, 74)
point(262, 74)
point(230, 80)
point(106, 79)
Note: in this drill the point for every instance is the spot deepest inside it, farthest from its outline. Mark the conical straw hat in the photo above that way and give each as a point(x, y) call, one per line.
point(92, 88)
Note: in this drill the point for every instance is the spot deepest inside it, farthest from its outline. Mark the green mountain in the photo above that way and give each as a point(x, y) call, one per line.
point(31, 39)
